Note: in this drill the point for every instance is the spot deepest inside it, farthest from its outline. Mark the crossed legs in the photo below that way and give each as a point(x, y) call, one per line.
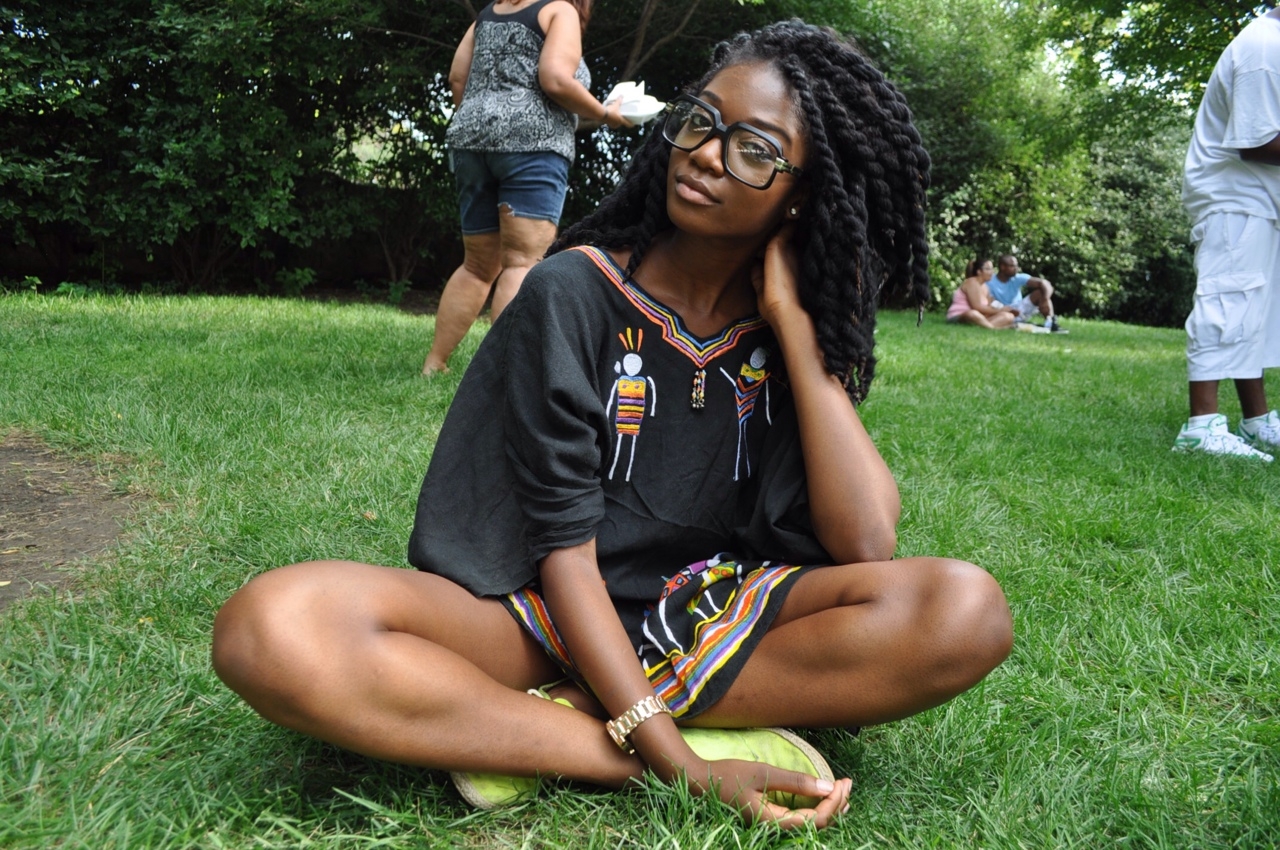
point(497, 261)
point(1003, 319)
point(409, 667)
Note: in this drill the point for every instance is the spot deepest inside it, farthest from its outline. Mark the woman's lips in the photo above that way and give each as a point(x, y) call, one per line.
point(694, 191)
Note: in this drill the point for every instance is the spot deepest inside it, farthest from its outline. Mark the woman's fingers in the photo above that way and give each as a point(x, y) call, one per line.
point(821, 815)
point(748, 786)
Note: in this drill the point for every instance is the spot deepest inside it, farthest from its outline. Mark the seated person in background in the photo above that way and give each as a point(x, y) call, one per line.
point(1006, 289)
point(972, 303)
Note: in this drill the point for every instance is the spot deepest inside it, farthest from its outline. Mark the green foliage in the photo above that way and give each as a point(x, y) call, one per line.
point(1080, 181)
point(1170, 46)
point(229, 141)
point(207, 129)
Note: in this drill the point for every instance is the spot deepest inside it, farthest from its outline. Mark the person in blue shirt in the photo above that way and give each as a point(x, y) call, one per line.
point(1006, 288)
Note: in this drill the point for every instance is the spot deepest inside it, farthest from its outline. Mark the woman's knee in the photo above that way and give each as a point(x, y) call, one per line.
point(482, 257)
point(264, 634)
point(970, 615)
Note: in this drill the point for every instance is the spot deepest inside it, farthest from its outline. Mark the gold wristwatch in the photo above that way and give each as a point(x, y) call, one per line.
point(621, 727)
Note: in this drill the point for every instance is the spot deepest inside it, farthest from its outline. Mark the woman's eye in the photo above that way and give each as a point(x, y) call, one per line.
point(755, 150)
point(698, 123)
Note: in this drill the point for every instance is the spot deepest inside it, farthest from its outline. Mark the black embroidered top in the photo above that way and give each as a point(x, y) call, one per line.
point(503, 107)
point(576, 419)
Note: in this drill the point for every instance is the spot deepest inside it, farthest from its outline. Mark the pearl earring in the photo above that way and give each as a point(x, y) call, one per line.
point(794, 212)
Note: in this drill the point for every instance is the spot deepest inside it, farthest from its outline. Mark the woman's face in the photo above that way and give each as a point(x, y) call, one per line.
point(703, 198)
point(987, 270)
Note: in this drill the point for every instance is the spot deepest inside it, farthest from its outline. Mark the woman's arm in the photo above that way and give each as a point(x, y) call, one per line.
point(980, 298)
point(460, 68)
point(561, 53)
point(585, 617)
point(602, 653)
point(853, 499)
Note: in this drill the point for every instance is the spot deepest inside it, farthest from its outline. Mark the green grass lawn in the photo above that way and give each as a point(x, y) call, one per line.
point(1140, 705)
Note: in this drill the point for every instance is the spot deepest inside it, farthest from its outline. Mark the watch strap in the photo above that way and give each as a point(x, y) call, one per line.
point(621, 727)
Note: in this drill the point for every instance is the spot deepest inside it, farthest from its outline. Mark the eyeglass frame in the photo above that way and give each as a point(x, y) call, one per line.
point(721, 130)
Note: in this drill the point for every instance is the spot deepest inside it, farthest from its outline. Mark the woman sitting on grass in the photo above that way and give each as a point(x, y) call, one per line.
point(654, 480)
point(972, 304)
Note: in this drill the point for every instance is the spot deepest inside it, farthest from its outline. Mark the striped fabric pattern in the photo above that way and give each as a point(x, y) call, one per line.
point(711, 615)
point(717, 617)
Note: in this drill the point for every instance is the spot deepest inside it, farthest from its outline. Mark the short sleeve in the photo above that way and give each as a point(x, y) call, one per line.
point(1254, 117)
point(514, 471)
point(553, 417)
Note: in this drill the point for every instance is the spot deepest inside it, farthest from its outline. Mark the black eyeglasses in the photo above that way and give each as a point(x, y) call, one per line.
point(751, 156)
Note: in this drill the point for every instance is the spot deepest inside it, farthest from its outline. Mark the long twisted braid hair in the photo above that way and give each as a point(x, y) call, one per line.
point(862, 225)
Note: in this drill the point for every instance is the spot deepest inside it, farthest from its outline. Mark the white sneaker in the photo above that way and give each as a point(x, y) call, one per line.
point(1215, 439)
point(1263, 435)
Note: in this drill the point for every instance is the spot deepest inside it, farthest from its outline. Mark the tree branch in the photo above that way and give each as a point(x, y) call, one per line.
point(642, 28)
point(657, 45)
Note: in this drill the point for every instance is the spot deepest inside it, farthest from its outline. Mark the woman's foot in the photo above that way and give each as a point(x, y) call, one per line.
point(430, 368)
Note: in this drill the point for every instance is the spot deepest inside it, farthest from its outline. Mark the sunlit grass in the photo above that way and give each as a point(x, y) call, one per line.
point(1139, 705)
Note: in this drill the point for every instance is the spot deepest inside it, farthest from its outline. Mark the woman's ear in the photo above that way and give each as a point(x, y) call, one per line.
point(796, 204)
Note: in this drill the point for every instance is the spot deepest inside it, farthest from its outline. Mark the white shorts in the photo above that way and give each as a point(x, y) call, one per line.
point(1026, 308)
point(1234, 327)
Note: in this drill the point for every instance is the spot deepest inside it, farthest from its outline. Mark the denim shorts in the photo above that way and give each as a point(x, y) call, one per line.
point(532, 184)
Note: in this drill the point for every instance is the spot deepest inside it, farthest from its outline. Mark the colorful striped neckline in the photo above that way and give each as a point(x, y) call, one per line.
point(700, 351)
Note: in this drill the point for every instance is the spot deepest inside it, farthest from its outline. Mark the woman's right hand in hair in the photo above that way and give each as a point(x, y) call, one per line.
point(777, 278)
point(743, 785)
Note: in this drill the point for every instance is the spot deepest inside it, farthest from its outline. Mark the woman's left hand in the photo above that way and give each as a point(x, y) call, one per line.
point(742, 784)
point(776, 277)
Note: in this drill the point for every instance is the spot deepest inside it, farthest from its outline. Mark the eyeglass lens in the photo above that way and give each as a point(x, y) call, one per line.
point(748, 156)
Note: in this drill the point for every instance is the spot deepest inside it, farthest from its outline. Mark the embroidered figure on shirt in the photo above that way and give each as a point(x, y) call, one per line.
point(631, 390)
point(752, 378)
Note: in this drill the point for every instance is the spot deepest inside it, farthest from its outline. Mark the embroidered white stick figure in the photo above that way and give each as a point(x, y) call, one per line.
point(631, 390)
point(746, 389)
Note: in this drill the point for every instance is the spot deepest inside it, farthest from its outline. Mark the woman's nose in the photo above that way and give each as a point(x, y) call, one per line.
point(710, 155)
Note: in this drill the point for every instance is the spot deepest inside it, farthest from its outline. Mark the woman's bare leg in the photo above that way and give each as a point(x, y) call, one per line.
point(863, 644)
point(524, 242)
point(408, 667)
point(996, 322)
point(463, 297)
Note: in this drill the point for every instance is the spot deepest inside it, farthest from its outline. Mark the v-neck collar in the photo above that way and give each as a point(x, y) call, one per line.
point(701, 350)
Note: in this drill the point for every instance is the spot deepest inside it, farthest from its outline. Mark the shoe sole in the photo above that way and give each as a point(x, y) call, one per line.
point(1259, 445)
point(1195, 449)
point(470, 792)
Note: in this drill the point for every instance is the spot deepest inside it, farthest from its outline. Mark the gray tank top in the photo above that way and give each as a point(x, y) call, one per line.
point(503, 108)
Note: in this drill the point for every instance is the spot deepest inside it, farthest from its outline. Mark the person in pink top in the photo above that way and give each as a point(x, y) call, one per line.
point(971, 303)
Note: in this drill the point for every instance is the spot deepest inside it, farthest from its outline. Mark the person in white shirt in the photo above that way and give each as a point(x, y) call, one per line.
point(1231, 191)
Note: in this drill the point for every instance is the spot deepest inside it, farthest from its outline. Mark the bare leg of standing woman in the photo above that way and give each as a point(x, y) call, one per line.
point(524, 242)
point(463, 297)
point(508, 254)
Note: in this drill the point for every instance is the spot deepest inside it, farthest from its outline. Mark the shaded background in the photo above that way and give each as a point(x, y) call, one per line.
point(272, 146)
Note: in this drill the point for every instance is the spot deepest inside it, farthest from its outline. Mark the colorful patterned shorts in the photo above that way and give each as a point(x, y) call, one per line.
point(697, 637)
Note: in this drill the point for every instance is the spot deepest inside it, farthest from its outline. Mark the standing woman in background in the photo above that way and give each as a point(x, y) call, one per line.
point(519, 85)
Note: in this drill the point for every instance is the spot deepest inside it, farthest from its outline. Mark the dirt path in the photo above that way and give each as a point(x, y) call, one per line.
point(54, 511)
